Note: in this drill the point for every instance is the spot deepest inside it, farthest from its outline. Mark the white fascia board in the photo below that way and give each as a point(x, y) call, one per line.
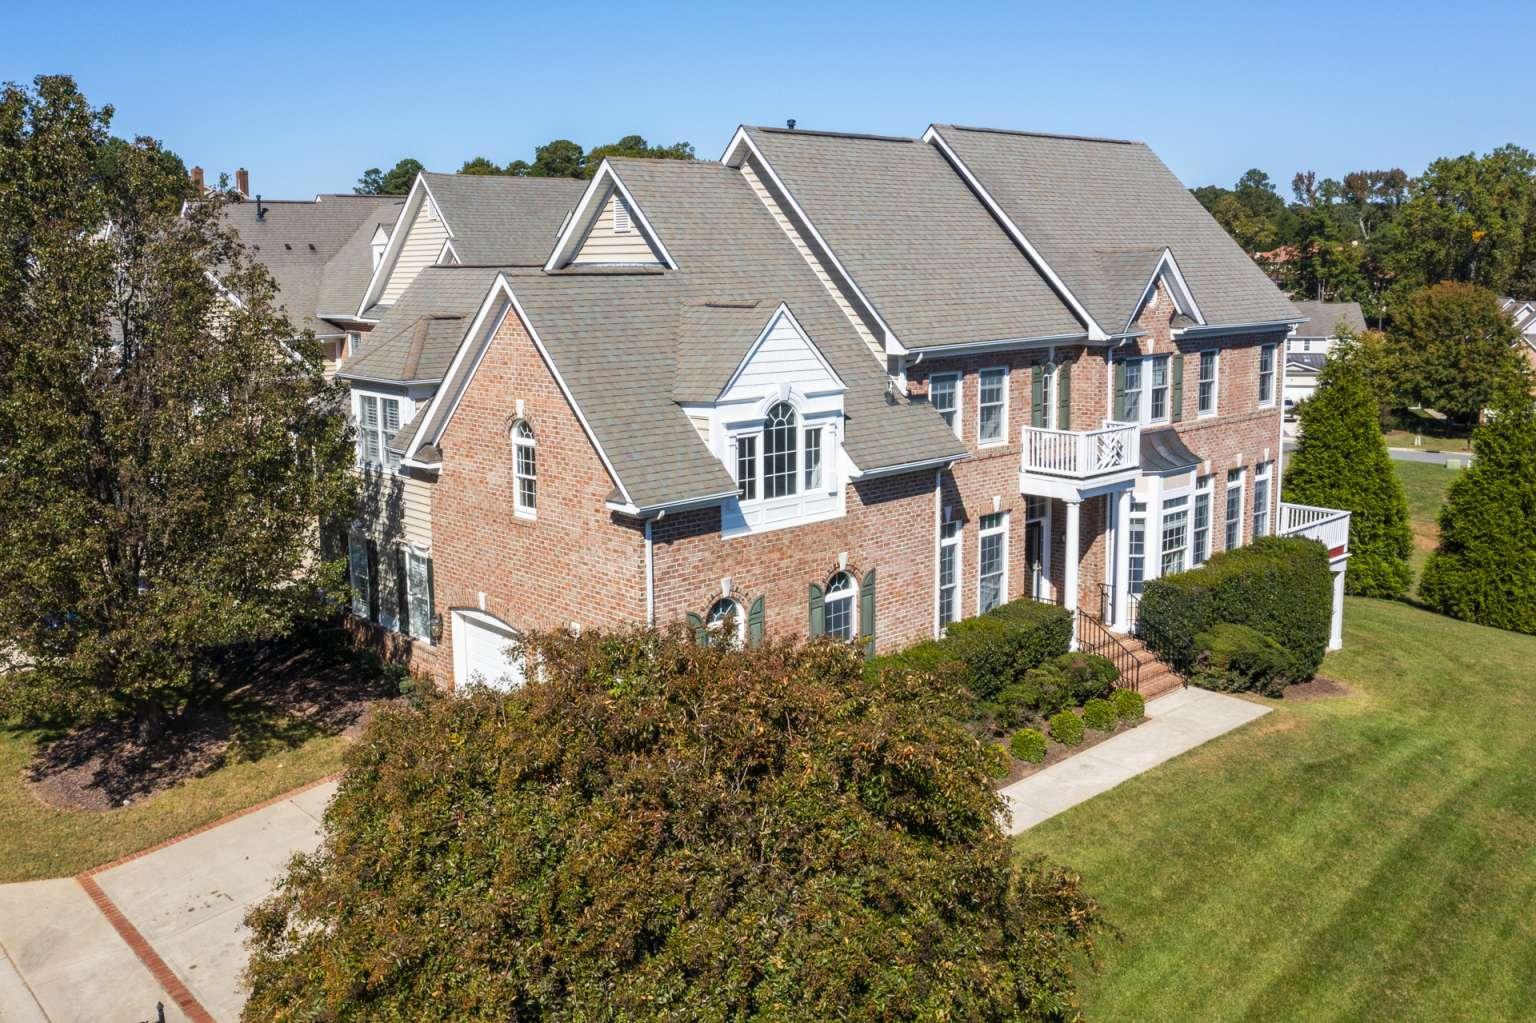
point(1001, 345)
point(447, 250)
point(1095, 332)
point(707, 501)
point(1259, 327)
point(396, 241)
point(1168, 267)
point(782, 312)
point(502, 287)
point(581, 217)
point(905, 467)
point(743, 139)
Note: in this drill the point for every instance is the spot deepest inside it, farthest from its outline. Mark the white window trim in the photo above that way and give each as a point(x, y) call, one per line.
point(830, 491)
point(1241, 486)
point(405, 409)
point(1144, 405)
point(410, 551)
point(1204, 490)
point(711, 624)
point(1002, 436)
point(1274, 375)
point(981, 536)
point(958, 379)
point(1215, 383)
point(1181, 504)
point(853, 605)
point(519, 509)
point(958, 543)
point(1263, 472)
point(358, 537)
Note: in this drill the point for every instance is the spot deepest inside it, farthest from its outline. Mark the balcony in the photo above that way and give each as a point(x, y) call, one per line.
point(1328, 526)
point(1112, 450)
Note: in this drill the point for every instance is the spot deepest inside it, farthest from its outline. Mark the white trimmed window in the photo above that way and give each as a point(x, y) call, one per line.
point(840, 607)
point(525, 471)
point(812, 458)
point(1208, 383)
point(1136, 546)
point(725, 622)
point(1145, 398)
point(378, 419)
point(359, 574)
point(992, 562)
point(1234, 520)
point(949, 573)
point(1159, 403)
point(780, 451)
point(1175, 546)
point(1266, 374)
point(944, 396)
point(746, 467)
point(1261, 476)
point(992, 407)
point(418, 594)
point(1200, 537)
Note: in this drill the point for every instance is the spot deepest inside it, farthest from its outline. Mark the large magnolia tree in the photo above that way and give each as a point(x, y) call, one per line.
point(168, 443)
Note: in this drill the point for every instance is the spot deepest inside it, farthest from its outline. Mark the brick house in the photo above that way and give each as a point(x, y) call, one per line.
point(832, 384)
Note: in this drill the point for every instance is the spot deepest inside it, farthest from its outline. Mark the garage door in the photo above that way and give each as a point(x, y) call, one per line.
point(481, 653)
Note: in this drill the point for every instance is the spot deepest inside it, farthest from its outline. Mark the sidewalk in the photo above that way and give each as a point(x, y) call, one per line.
point(1176, 723)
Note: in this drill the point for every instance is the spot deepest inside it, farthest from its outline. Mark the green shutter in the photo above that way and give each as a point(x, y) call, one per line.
point(1176, 408)
point(700, 633)
point(755, 624)
point(402, 592)
point(867, 613)
point(1121, 412)
point(1037, 396)
point(1064, 396)
point(818, 614)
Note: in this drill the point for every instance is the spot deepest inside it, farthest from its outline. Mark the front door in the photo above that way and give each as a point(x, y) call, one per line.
point(1037, 540)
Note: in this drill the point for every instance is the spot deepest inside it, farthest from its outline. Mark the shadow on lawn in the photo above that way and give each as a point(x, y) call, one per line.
point(267, 698)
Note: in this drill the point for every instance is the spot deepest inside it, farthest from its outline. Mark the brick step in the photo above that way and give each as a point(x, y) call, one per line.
point(1163, 682)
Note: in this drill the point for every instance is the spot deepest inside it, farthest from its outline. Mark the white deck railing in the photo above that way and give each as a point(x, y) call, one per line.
point(1081, 454)
point(1328, 526)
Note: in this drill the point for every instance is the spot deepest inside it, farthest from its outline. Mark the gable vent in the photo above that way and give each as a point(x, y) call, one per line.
point(621, 224)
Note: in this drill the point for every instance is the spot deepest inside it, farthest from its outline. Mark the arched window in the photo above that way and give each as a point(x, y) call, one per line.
point(725, 622)
point(525, 471)
point(840, 607)
point(780, 451)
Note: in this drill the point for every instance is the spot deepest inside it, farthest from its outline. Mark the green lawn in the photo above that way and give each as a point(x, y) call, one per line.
point(1404, 439)
point(1425, 485)
point(1364, 857)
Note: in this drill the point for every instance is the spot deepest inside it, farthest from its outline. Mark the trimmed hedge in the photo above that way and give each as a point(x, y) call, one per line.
point(1087, 675)
point(1067, 728)
point(1280, 586)
point(1129, 704)
point(1099, 715)
point(990, 652)
point(1237, 658)
point(1028, 745)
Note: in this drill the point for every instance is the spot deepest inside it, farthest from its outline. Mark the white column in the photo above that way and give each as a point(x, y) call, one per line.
point(1069, 569)
point(1336, 627)
point(1122, 569)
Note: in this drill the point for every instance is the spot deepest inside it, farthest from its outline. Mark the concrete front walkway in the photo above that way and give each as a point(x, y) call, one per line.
point(163, 926)
point(1175, 723)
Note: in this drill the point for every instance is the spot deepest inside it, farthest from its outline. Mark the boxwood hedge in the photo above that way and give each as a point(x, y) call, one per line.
point(991, 651)
point(1280, 586)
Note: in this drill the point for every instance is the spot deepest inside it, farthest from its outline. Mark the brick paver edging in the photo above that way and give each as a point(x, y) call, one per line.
point(280, 797)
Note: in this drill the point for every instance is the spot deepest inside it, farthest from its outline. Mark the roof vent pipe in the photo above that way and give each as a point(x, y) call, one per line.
point(790, 123)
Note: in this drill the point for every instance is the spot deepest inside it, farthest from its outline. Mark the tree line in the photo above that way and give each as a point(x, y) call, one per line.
point(1375, 236)
point(558, 158)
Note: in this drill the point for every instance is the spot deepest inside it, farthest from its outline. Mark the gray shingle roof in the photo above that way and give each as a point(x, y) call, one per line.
point(347, 273)
point(418, 335)
point(1164, 451)
point(1073, 196)
point(297, 239)
point(1324, 318)
point(712, 339)
point(930, 257)
point(500, 220)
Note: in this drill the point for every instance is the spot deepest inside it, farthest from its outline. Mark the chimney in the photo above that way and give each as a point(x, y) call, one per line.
point(197, 179)
point(243, 181)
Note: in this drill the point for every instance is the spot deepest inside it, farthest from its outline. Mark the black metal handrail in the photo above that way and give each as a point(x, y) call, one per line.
point(1107, 607)
point(1094, 637)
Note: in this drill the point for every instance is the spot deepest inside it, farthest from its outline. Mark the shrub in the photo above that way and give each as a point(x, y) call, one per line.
point(998, 763)
point(1067, 728)
point(1235, 658)
point(1280, 586)
point(1129, 704)
point(1028, 745)
point(1099, 715)
point(990, 652)
point(1342, 462)
point(1484, 569)
point(1087, 675)
point(607, 842)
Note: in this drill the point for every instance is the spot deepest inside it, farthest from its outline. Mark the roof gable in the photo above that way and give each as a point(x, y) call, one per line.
point(782, 355)
point(607, 226)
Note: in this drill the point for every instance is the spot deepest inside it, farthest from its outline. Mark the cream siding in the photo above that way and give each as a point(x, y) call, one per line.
point(423, 241)
point(602, 245)
point(802, 243)
point(784, 357)
point(416, 510)
point(700, 421)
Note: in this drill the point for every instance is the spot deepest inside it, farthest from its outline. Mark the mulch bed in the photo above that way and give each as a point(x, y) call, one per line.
point(1320, 688)
point(1055, 752)
point(270, 697)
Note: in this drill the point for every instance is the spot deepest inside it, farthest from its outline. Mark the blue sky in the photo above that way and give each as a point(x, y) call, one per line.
point(307, 96)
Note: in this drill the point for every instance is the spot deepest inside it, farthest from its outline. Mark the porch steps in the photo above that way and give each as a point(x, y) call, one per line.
point(1156, 676)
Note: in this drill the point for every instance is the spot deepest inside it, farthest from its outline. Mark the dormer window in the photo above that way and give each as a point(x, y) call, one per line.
point(780, 444)
point(785, 464)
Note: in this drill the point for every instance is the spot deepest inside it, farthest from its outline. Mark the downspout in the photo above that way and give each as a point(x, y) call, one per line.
point(650, 570)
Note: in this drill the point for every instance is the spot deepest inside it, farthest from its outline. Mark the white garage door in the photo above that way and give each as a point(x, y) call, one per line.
point(481, 654)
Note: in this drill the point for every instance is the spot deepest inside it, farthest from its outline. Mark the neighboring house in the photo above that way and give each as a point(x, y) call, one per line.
point(1310, 343)
point(1523, 312)
point(833, 384)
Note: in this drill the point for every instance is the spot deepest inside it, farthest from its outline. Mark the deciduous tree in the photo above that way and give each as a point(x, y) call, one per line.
point(1453, 347)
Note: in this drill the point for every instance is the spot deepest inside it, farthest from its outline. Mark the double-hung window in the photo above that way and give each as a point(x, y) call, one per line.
point(1159, 405)
point(1136, 546)
point(1175, 546)
point(944, 396)
point(418, 594)
point(1130, 411)
point(525, 493)
point(812, 458)
point(1146, 396)
point(746, 466)
point(992, 410)
point(992, 559)
point(949, 572)
point(1208, 383)
point(359, 574)
point(1266, 374)
point(838, 607)
point(1200, 537)
point(378, 419)
point(1261, 477)
point(1234, 519)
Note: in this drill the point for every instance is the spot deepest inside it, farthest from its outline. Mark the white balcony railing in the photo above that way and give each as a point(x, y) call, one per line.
point(1082, 454)
point(1328, 526)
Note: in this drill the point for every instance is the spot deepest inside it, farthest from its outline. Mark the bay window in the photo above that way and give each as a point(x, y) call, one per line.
point(1261, 478)
point(992, 562)
point(1175, 535)
point(1234, 520)
point(812, 458)
point(1136, 546)
point(1200, 537)
point(949, 573)
point(746, 467)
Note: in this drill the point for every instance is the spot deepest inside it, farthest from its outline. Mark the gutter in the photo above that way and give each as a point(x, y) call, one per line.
point(1261, 327)
point(343, 375)
point(657, 510)
point(905, 467)
point(1001, 344)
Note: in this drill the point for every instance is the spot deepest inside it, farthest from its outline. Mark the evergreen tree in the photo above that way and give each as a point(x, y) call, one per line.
point(1485, 567)
point(1342, 462)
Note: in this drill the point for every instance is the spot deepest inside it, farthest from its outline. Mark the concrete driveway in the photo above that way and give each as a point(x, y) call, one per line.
point(164, 926)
